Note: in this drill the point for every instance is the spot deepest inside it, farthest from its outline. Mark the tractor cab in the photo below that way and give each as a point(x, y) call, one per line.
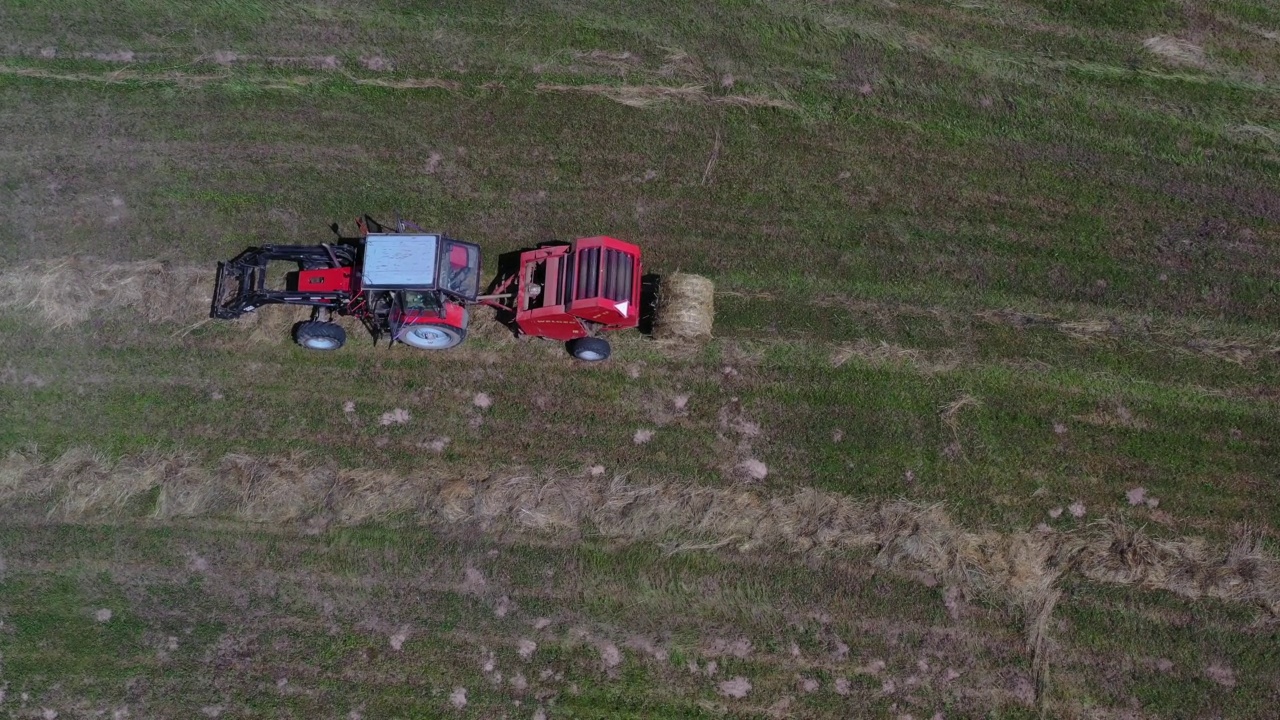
point(420, 284)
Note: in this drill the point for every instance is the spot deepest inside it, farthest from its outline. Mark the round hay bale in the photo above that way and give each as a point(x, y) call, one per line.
point(685, 308)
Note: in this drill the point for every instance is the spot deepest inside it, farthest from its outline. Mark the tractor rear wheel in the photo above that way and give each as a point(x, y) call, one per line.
point(590, 349)
point(315, 335)
point(435, 337)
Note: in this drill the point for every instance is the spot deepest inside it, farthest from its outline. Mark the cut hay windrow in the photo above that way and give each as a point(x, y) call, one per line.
point(1021, 568)
point(642, 96)
point(82, 486)
point(1175, 51)
point(885, 353)
point(67, 291)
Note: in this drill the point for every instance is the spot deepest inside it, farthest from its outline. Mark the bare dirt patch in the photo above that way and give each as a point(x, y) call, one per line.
point(1221, 674)
point(737, 688)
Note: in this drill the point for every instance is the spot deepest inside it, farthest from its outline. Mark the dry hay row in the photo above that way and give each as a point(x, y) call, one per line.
point(64, 292)
point(67, 291)
point(81, 486)
point(1021, 568)
point(640, 96)
point(637, 96)
point(1240, 351)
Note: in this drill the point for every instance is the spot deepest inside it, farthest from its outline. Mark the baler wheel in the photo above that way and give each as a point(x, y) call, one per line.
point(590, 349)
point(315, 335)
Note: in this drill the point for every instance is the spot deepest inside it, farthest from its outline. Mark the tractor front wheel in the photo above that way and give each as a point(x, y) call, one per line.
point(315, 335)
point(590, 349)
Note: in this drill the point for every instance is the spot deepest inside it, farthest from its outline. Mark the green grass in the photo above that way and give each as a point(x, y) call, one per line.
point(1169, 629)
point(267, 608)
point(937, 161)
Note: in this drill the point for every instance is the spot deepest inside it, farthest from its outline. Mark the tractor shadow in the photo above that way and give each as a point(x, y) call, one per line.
point(508, 266)
point(650, 284)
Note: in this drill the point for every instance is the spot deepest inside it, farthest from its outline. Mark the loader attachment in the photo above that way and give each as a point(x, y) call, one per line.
point(233, 293)
point(241, 284)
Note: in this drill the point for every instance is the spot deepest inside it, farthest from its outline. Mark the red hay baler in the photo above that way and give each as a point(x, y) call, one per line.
point(417, 288)
point(572, 292)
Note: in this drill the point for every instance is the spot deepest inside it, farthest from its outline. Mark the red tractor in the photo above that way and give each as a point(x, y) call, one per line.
point(417, 288)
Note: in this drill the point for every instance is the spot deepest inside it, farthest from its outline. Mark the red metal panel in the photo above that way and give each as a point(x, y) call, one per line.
point(326, 280)
point(551, 323)
point(611, 242)
point(455, 315)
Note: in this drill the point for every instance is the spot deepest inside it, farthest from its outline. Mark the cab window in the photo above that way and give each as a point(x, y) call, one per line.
point(461, 269)
point(417, 301)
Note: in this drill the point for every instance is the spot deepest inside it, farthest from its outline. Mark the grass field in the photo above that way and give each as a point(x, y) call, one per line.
point(996, 318)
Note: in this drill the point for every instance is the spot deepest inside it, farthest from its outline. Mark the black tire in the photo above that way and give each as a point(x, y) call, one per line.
point(315, 335)
point(590, 349)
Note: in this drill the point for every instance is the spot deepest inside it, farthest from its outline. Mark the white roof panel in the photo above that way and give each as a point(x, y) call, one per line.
point(400, 261)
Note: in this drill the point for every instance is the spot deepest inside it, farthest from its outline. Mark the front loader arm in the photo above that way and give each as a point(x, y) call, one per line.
point(240, 286)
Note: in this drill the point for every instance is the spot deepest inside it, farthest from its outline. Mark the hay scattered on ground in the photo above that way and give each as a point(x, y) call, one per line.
point(274, 324)
point(408, 83)
point(114, 77)
point(1175, 50)
point(1022, 568)
point(639, 96)
point(1016, 318)
point(1115, 415)
point(685, 308)
point(642, 96)
point(1250, 132)
point(1239, 351)
point(615, 63)
point(68, 291)
point(82, 486)
point(1088, 329)
point(884, 353)
point(950, 413)
point(1233, 350)
point(485, 324)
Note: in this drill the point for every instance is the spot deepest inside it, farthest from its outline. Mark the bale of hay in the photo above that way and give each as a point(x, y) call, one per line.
point(685, 308)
